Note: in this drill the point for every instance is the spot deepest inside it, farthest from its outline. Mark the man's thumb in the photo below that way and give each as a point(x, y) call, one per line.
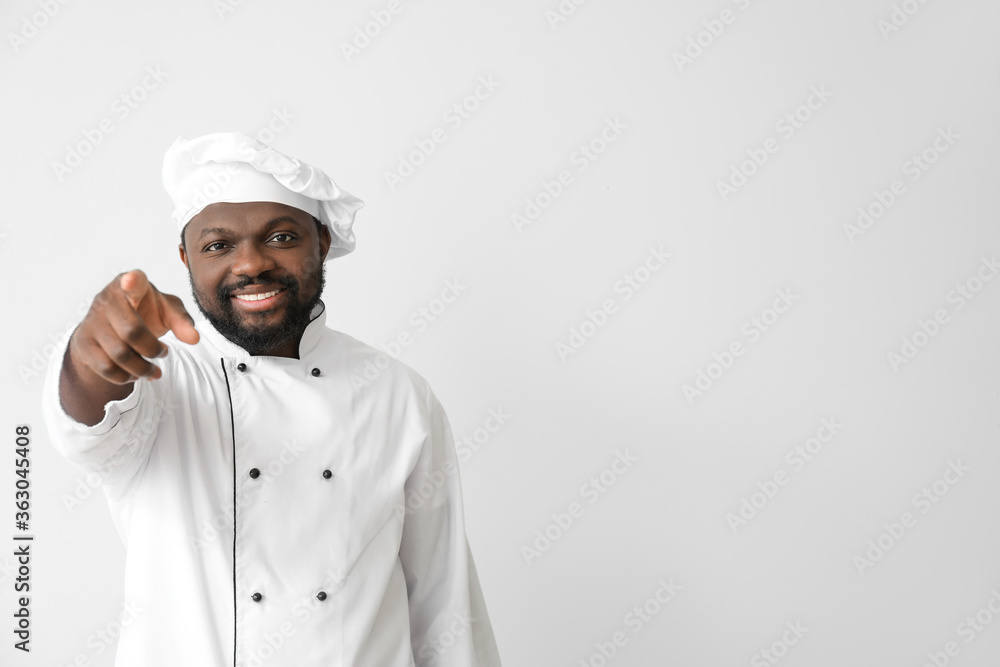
point(177, 319)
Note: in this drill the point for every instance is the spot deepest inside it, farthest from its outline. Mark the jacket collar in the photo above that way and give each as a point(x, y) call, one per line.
point(310, 337)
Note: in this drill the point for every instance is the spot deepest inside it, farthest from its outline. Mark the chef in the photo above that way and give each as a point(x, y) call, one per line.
point(278, 504)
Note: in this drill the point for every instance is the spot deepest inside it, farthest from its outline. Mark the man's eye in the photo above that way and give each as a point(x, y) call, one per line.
point(287, 237)
point(211, 246)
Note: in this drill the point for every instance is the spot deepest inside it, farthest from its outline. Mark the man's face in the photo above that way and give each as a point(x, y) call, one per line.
point(237, 253)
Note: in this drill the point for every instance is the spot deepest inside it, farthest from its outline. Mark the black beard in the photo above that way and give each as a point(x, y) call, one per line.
point(262, 339)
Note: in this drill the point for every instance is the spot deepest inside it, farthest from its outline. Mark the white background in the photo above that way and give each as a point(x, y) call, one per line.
point(684, 126)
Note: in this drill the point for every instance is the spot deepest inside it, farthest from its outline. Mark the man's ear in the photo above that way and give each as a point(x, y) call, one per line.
point(182, 251)
point(325, 240)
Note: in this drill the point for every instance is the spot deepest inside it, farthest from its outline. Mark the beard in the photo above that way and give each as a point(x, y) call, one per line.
point(261, 338)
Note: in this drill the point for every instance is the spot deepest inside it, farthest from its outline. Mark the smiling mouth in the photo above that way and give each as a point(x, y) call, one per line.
point(257, 297)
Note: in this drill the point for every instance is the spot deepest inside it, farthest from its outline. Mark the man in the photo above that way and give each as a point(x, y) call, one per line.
point(287, 494)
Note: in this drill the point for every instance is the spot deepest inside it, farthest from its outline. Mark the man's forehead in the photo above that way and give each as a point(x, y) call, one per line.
point(225, 214)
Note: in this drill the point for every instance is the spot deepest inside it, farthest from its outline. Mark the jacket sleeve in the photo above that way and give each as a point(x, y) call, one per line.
point(116, 448)
point(449, 624)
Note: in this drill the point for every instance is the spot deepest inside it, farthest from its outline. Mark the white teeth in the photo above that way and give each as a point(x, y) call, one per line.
point(256, 297)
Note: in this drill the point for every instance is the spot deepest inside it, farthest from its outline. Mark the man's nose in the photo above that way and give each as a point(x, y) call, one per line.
point(251, 260)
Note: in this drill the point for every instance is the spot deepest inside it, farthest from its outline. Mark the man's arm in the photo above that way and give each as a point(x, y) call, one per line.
point(108, 351)
point(449, 623)
point(97, 412)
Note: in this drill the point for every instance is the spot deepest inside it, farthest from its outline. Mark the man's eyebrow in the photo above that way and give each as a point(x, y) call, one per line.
point(281, 219)
point(270, 224)
point(212, 230)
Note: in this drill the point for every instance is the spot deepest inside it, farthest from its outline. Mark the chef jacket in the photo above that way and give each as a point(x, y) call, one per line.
point(276, 511)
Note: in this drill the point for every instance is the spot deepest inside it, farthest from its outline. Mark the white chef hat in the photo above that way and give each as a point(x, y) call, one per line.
point(236, 167)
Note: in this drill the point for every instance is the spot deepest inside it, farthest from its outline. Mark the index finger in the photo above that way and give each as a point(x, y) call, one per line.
point(136, 286)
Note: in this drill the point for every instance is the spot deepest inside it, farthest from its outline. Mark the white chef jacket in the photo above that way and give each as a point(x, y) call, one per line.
point(289, 512)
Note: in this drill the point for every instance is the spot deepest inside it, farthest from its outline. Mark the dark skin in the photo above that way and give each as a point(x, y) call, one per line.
point(227, 248)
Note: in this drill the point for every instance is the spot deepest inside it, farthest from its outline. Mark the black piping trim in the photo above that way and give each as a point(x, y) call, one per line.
point(232, 421)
